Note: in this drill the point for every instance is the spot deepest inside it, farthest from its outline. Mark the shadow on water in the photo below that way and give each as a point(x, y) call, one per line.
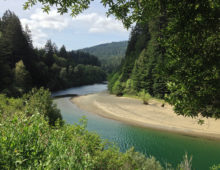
point(165, 146)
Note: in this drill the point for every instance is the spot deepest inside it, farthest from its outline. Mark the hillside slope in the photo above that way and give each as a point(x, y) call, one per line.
point(141, 68)
point(110, 54)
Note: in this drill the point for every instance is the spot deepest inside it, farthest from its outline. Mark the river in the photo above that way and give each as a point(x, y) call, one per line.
point(165, 146)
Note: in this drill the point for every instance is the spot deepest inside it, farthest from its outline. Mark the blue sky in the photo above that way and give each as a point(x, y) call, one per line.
point(90, 28)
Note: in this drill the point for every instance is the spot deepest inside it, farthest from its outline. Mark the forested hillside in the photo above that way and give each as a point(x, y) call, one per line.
point(22, 66)
point(141, 68)
point(110, 54)
point(174, 54)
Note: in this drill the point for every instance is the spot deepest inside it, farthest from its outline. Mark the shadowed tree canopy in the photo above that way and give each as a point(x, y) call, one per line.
point(191, 41)
point(23, 67)
point(127, 11)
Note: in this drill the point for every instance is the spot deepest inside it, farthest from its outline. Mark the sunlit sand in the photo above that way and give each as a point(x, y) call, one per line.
point(134, 112)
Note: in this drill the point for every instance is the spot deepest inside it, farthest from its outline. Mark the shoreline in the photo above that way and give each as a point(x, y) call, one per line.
point(133, 112)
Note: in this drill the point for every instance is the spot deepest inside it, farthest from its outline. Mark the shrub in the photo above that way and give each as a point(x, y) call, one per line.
point(186, 164)
point(28, 142)
point(215, 167)
point(40, 100)
point(118, 88)
point(144, 96)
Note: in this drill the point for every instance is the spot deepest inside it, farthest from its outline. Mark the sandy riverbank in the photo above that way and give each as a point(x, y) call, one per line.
point(134, 112)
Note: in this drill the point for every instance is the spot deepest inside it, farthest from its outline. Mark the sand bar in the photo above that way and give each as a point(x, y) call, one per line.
point(134, 112)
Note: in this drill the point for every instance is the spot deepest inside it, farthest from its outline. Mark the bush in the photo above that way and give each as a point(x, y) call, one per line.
point(36, 101)
point(144, 96)
point(28, 142)
point(40, 100)
point(118, 88)
point(186, 164)
point(215, 167)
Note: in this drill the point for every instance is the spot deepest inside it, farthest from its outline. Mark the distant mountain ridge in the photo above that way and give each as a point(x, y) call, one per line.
point(107, 50)
point(110, 54)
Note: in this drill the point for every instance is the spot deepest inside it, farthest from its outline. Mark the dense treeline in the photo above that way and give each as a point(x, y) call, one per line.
point(33, 136)
point(190, 40)
point(180, 56)
point(141, 69)
point(110, 54)
point(22, 66)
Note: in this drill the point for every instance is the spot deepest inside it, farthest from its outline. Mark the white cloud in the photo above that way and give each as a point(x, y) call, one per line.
point(53, 20)
point(39, 21)
point(38, 36)
point(98, 23)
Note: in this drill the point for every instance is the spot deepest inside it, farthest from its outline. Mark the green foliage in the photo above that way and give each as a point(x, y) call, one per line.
point(36, 101)
point(129, 87)
point(11, 42)
point(10, 106)
point(118, 88)
point(63, 6)
point(67, 69)
point(139, 162)
point(181, 58)
point(5, 71)
point(215, 167)
point(22, 78)
point(189, 46)
point(111, 81)
point(137, 42)
point(144, 96)
point(40, 101)
point(127, 11)
point(201, 122)
point(28, 142)
point(110, 54)
point(186, 164)
point(22, 67)
point(87, 74)
point(193, 58)
point(141, 70)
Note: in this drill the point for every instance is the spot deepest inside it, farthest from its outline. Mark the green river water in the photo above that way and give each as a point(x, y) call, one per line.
point(166, 147)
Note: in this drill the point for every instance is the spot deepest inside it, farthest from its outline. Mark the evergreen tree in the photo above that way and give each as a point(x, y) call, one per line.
point(5, 71)
point(49, 49)
point(45, 67)
point(137, 42)
point(141, 69)
point(63, 52)
point(15, 38)
point(22, 78)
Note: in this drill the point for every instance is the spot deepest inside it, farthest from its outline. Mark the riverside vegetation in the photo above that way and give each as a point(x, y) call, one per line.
point(33, 136)
point(32, 133)
point(22, 66)
point(172, 53)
